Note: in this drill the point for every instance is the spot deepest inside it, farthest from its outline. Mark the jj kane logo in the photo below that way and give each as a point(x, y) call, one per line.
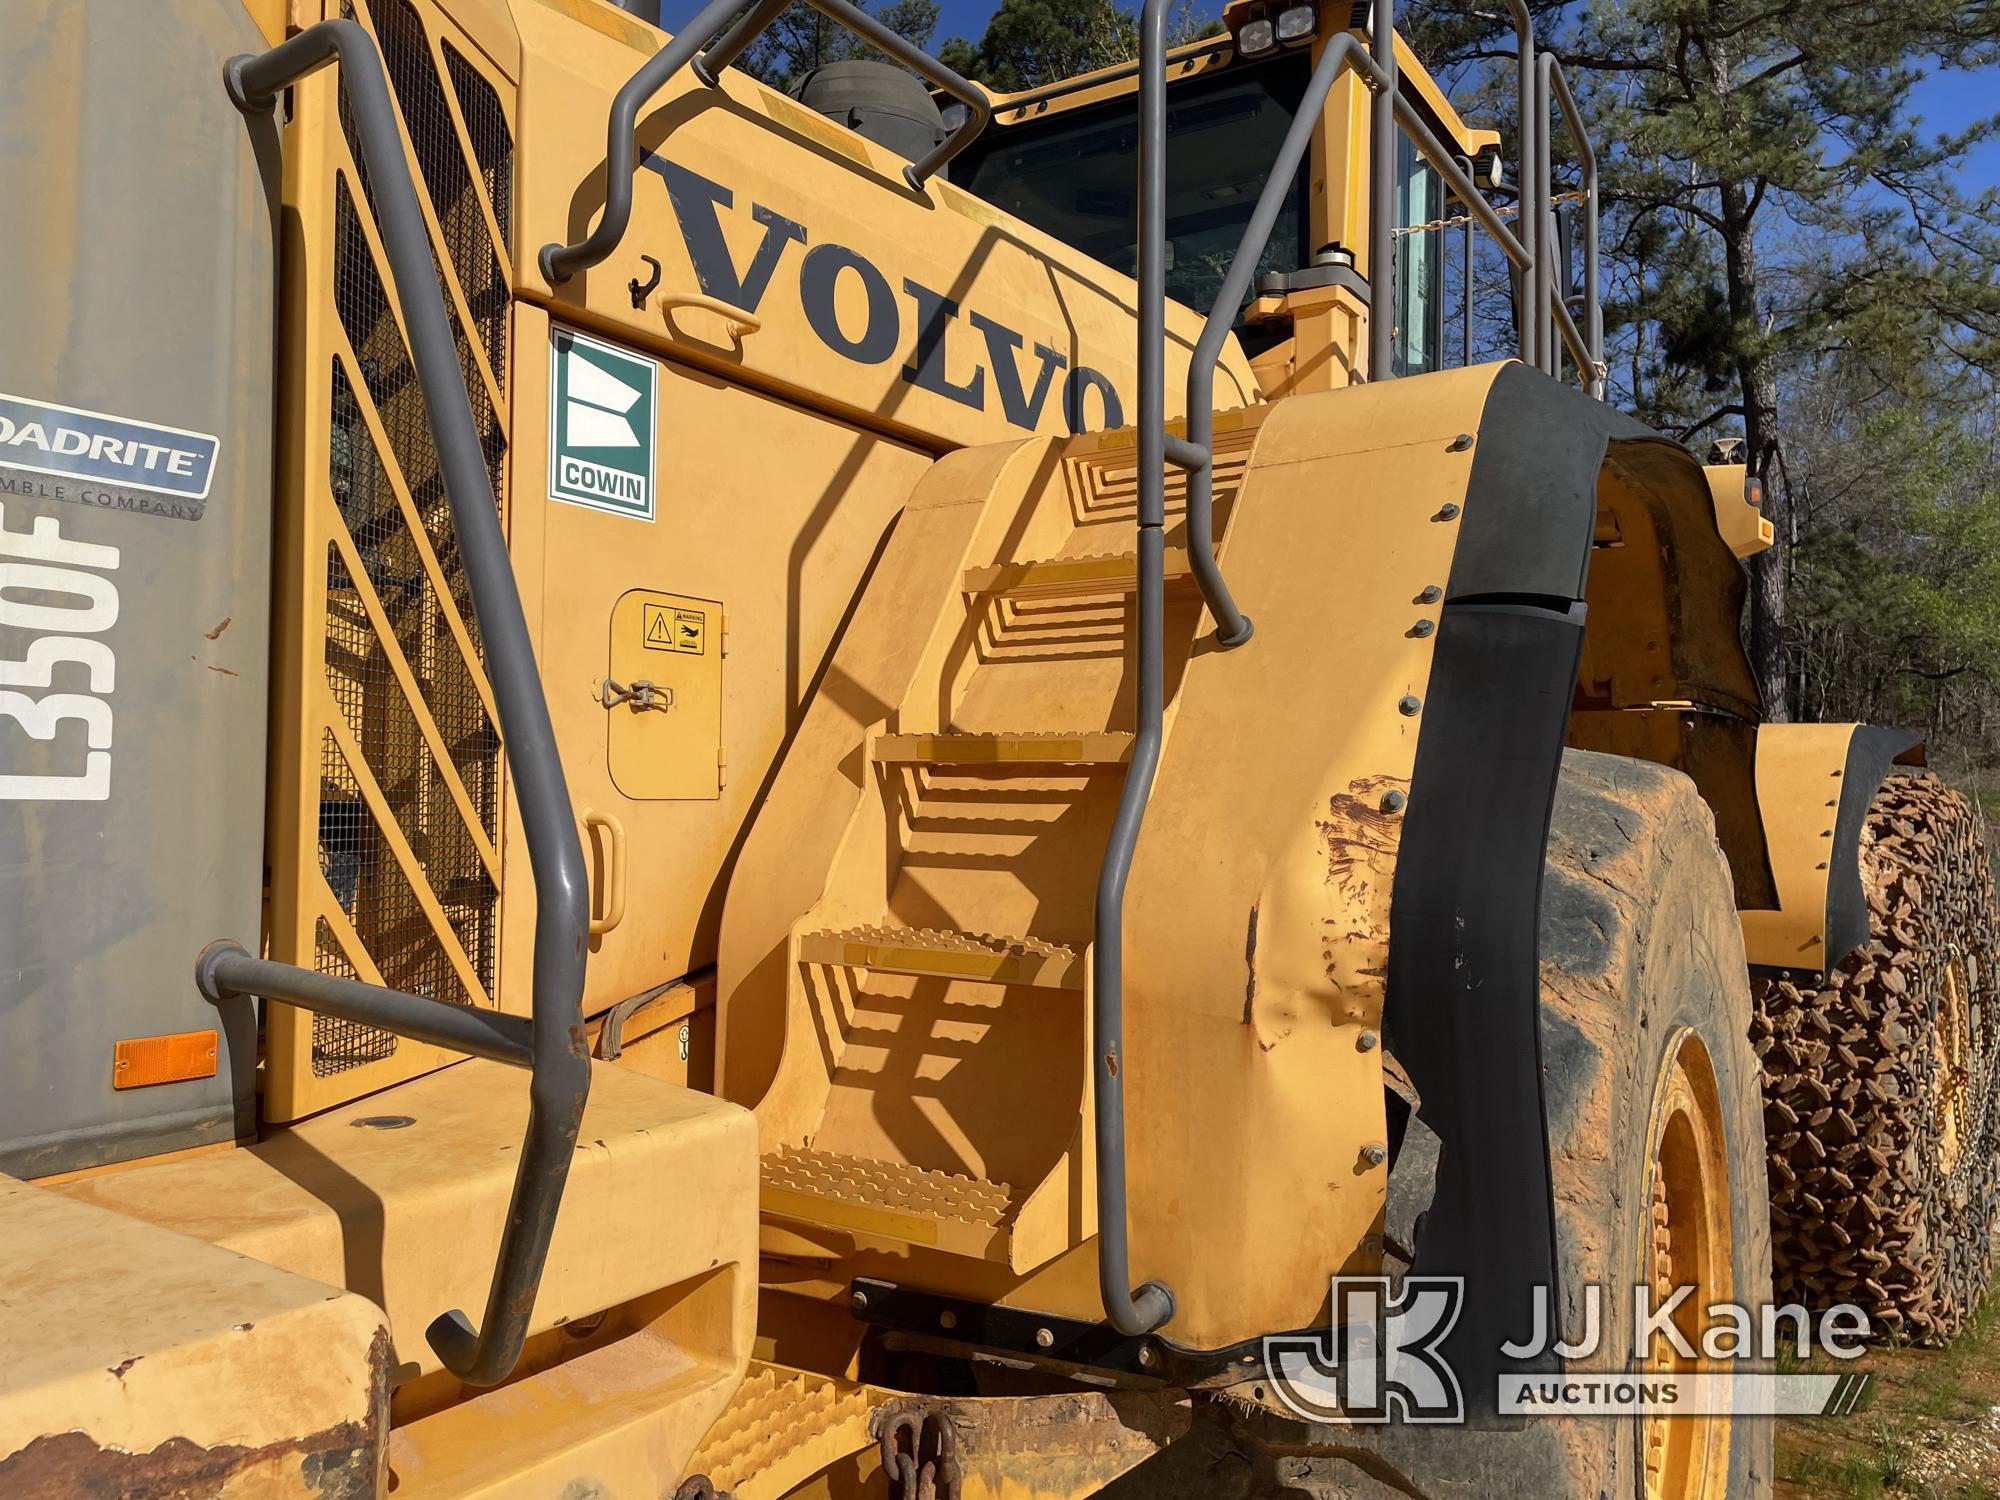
point(1381, 1359)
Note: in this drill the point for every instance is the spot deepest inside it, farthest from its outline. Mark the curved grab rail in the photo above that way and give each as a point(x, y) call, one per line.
point(717, 28)
point(551, 1041)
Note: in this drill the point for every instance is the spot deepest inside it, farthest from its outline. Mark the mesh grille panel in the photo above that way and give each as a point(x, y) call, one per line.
point(420, 620)
point(338, 1045)
point(362, 872)
point(380, 718)
point(363, 306)
point(492, 141)
point(441, 161)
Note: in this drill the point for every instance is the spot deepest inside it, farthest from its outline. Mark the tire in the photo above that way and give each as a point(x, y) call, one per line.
point(1643, 984)
point(1879, 1087)
point(1644, 993)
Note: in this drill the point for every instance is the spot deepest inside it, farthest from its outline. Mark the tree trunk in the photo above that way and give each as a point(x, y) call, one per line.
point(1761, 439)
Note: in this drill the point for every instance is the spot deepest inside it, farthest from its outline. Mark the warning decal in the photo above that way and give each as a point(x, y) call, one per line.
point(667, 629)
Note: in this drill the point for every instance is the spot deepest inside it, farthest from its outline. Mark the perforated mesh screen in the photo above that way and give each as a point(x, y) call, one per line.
point(365, 671)
point(420, 621)
point(370, 888)
point(492, 141)
point(441, 163)
point(364, 683)
point(338, 1045)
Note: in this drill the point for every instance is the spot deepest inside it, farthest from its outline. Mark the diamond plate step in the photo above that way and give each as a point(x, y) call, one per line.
point(892, 1201)
point(781, 1428)
point(930, 954)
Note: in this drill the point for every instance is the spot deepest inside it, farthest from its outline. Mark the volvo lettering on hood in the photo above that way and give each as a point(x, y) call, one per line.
point(1021, 379)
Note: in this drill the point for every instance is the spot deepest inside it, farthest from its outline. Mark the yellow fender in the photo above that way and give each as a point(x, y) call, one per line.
point(1814, 784)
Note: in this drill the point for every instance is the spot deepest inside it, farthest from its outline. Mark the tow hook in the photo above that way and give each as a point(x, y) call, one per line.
point(920, 1453)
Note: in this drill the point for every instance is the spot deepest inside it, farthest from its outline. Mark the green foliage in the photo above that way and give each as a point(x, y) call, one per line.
point(1033, 42)
point(1779, 224)
point(1896, 595)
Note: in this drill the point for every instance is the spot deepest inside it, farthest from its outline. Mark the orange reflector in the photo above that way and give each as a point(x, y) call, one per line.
point(144, 1060)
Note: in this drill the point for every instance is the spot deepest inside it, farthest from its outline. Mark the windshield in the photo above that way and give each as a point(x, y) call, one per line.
point(1073, 174)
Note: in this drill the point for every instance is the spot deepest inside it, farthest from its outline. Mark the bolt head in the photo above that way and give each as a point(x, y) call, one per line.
point(1148, 1356)
point(1423, 628)
point(1430, 595)
point(947, 1319)
point(1460, 443)
point(1409, 704)
point(1374, 1153)
point(1448, 511)
point(1045, 1338)
point(859, 1301)
point(1368, 1041)
point(1394, 801)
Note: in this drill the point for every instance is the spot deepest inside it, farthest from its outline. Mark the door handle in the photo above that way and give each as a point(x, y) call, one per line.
point(613, 893)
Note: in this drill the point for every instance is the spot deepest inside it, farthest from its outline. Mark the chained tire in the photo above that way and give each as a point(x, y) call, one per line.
point(1879, 1086)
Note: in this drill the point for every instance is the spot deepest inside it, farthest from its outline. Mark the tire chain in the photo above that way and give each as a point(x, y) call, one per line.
point(1864, 1207)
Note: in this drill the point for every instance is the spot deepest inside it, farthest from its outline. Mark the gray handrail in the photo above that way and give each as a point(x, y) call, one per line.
point(1381, 190)
point(1138, 1312)
point(718, 28)
point(550, 1042)
point(1587, 346)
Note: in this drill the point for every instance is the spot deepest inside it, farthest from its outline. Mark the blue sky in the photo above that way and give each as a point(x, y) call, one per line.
point(1945, 101)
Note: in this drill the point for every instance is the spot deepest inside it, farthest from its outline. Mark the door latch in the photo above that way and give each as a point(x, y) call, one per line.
point(641, 695)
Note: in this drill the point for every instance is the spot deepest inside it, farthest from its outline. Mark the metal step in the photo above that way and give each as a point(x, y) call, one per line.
point(1055, 577)
point(1086, 748)
point(921, 951)
point(890, 1200)
point(781, 1428)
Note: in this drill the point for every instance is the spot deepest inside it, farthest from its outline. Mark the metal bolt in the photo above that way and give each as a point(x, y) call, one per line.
point(1448, 511)
point(859, 1300)
point(1148, 1356)
point(947, 1319)
point(1423, 628)
point(1460, 443)
point(1368, 1041)
point(1393, 801)
point(1408, 704)
point(1374, 1153)
point(1430, 595)
point(1044, 1338)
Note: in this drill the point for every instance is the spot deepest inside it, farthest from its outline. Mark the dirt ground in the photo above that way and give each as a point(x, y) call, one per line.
point(1928, 1427)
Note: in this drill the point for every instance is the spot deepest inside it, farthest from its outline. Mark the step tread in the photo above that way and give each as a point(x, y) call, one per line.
point(1082, 747)
point(898, 1187)
point(1115, 572)
point(781, 1428)
point(929, 952)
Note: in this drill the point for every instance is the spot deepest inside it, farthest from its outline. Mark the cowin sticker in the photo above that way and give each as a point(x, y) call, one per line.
point(602, 411)
point(116, 463)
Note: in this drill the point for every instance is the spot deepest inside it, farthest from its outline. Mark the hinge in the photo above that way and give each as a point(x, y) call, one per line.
point(721, 766)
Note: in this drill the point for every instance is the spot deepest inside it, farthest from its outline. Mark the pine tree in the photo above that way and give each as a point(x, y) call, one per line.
point(1770, 199)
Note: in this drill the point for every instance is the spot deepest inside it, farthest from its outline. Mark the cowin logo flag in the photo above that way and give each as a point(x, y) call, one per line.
point(603, 411)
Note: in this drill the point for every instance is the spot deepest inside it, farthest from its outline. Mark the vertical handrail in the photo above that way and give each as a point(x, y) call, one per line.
point(1528, 144)
point(1136, 1312)
point(555, 1051)
point(1382, 192)
point(718, 28)
point(1586, 346)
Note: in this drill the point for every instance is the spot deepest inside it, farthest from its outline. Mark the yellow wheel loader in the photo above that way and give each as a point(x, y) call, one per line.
point(900, 792)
